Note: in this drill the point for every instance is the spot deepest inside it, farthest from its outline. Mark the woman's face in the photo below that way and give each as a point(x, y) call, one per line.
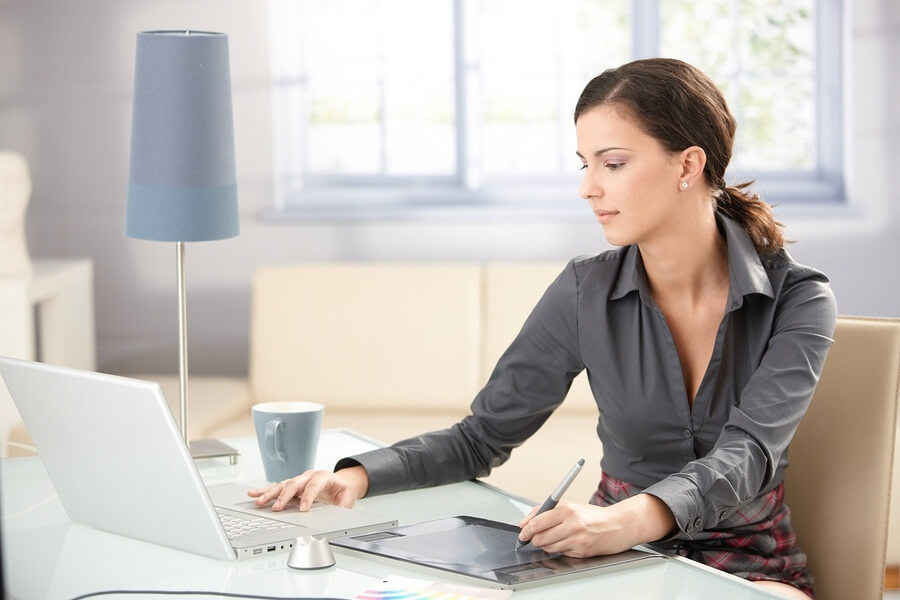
point(630, 181)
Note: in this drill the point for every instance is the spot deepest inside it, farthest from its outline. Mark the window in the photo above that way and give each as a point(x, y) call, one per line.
point(388, 108)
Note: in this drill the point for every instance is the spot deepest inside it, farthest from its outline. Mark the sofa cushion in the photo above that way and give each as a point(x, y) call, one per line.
point(367, 336)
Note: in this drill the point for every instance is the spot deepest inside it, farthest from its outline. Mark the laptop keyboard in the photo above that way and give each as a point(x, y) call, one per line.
point(237, 526)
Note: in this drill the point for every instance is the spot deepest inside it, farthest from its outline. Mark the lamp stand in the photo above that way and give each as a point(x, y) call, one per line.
point(199, 448)
point(182, 343)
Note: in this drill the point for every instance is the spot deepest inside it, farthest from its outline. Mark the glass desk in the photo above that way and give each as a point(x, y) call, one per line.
point(48, 556)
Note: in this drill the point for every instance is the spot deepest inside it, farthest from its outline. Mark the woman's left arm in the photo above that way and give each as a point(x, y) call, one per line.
point(744, 460)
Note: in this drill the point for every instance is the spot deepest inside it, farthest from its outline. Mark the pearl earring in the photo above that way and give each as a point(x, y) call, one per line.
point(684, 185)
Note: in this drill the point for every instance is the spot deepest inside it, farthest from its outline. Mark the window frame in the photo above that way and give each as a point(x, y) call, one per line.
point(463, 194)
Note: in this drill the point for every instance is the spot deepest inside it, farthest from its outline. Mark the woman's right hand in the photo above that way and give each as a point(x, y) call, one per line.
point(342, 488)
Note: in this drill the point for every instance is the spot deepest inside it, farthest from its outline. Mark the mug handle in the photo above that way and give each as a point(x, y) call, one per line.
point(273, 447)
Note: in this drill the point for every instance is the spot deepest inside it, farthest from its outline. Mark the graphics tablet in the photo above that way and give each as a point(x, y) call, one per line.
point(479, 548)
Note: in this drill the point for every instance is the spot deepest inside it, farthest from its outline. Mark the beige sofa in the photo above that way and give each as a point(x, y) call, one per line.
point(393, 350)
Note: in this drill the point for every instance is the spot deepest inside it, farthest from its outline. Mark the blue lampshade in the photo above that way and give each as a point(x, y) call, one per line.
point(182, 186)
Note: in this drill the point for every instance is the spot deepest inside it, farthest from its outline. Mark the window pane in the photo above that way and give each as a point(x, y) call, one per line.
point(418, 65)
point(777, 85)
point(762, 57)
point(685, 34)
point(520, 127)
point(777, 36)
point(420, 133)
point(340, 40)
point(380, 87)
point(343, 130)
point(535, 58)
point(772, 107)
point(597, 37)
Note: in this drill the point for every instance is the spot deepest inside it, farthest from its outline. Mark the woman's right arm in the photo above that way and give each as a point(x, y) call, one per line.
point(530, 380)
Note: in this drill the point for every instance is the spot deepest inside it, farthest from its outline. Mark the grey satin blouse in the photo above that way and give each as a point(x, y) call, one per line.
point(702, 461)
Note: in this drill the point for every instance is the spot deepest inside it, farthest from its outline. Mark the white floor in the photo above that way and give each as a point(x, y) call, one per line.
point(892, 595)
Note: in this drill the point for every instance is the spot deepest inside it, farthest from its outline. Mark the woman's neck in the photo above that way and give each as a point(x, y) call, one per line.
point(689, 261)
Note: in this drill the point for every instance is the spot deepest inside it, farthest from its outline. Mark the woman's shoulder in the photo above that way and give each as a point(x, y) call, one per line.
point(607, 259)
point(800, 287)
point(606, 272)
point(782, 267)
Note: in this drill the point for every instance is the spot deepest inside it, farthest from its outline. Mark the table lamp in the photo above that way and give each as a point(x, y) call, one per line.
point(181, 186)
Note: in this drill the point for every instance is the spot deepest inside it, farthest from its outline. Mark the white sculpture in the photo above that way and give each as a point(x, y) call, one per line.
point(15, 191)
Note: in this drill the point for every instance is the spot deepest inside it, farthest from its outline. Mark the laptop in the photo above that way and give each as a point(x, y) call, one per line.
point(118, 462)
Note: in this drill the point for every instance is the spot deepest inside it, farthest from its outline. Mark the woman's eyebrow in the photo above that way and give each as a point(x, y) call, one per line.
point(602, 151)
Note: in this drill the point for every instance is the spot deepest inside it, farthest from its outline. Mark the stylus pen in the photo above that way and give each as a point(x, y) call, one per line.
point(553, 499)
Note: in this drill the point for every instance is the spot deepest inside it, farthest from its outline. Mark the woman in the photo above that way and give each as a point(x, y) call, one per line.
point(702, 338)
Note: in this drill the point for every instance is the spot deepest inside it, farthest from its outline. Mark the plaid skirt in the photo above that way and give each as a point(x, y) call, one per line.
point(757, 542)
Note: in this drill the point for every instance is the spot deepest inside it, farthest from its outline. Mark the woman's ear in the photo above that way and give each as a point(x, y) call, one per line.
point(692, 161)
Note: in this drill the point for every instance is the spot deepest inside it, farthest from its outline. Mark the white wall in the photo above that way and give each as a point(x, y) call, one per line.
point(65, 102)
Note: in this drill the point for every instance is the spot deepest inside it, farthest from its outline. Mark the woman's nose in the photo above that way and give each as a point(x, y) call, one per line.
point(589, 187)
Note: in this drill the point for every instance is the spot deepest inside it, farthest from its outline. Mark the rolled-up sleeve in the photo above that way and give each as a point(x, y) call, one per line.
point(530, 380)
point(745, 458)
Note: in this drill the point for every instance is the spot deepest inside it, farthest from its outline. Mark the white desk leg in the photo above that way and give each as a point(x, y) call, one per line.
point(67, 324)
point(16, 320)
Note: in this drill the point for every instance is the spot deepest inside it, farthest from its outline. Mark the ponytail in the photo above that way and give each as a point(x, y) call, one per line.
point(753, 215)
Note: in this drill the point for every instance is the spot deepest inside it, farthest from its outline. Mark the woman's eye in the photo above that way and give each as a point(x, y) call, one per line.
point(582, 167)
point(612, 166)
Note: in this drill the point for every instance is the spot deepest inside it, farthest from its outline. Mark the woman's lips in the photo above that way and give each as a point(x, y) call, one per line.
point(605, 215)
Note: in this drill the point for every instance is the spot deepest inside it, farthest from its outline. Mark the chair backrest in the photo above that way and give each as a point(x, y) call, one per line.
point(367, 336)
point(838, 483)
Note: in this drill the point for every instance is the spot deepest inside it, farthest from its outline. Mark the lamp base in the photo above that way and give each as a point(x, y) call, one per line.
point(213, 449)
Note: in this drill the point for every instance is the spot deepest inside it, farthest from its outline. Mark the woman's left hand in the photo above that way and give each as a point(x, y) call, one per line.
point(582, 530)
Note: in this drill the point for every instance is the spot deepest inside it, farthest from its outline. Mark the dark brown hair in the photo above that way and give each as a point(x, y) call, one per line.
point(681, 107)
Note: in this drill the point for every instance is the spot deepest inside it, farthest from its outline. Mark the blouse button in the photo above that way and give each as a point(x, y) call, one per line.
point(687, 433)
